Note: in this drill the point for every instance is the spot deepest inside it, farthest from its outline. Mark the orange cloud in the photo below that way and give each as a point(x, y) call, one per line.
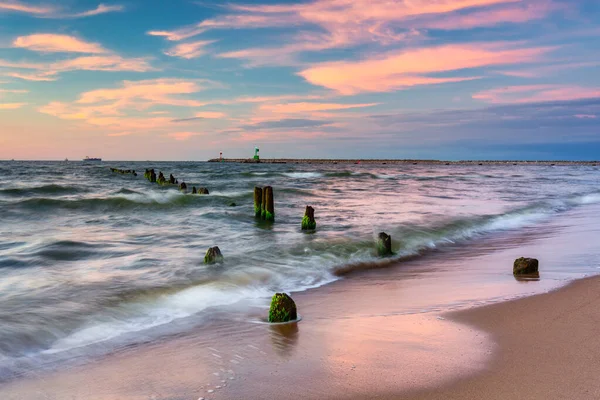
point(153, 92)
point(189, 50)
point(119, 108)
point(54, 43)
point(11, 106)
point(408, 68)
point(537, 94)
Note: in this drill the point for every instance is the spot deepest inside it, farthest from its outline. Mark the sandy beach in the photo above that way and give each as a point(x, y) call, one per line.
point(540, 347)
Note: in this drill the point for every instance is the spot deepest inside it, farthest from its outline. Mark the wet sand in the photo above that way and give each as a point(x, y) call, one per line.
point(548, 348)
point(540, 347)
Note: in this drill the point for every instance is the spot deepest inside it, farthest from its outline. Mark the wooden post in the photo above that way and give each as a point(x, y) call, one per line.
point(308, 222)
point(384, 244)
point(258, 199)
point(268, 211)
point(213, 255)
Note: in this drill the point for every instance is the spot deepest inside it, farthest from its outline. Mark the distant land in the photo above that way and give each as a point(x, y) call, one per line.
point(415, 162)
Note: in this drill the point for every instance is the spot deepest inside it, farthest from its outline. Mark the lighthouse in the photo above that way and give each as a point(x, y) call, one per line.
point(256, 157)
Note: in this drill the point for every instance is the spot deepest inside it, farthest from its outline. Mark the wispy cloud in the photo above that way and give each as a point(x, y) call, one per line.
point(537, 93)
point(189, 50)
point(34, 77)
point(11, 106)
point(55, 43)
point(101, 9)
point(46, 11)
point(118, 108)
point(397, 70)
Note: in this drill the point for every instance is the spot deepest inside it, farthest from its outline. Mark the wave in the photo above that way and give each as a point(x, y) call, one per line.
point(52, 189)
point(125, 200)
point(417, 241)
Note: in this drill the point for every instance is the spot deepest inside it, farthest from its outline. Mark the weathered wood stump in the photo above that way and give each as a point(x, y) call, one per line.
point(258, 195)
point(172, 179)
point(526, 266)
point(182, 186)
point(213, 256)
point(194, 191)
point(308, 222)
point(384, 244)
point(203, 190)
point(268, 208)
point(152, 176)
point(283, 308)
point(161, 178)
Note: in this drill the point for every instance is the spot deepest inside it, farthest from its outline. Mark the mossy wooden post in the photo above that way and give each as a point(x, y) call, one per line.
point(308, 222)
point(258, 198)
point(283, 308)
point(268, 208)
point(526, 267)
point(384, 244)
point(213, 256)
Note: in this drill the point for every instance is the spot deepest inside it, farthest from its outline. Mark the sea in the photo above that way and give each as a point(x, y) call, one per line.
point(92, 261)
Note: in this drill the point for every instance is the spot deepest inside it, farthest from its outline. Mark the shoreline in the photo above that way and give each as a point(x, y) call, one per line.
point(401, 161)
point(547, 348)
point(465, 354)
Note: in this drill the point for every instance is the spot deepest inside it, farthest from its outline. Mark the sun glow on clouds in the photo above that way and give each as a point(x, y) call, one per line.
point(397, 70)
point(11, 106)
point(334, 66)
point(53, 43)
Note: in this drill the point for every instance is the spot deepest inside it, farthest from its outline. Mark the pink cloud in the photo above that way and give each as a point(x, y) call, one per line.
point(19, 91)
point(53, 43)
point(24, 8)
point(537, 93)
point(396, 70)
point(210, 115)
point(189, 50)
point(101, 9)
point(35, 77)
point(102, 63)
point(511, 13)
point(182, 135)
point(585, 116)
point(53, 12)
point(346, 23)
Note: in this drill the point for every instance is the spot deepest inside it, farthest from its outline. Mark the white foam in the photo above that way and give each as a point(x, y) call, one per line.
point(303, 174)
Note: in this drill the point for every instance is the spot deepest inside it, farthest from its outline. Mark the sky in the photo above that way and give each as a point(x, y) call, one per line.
point(186, 80)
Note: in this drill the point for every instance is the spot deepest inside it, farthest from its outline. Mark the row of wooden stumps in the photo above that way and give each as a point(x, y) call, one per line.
point(124, 171)
point(150, 174)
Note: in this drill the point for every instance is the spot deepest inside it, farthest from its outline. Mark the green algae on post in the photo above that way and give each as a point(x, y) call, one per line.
point(308, 222)
point(283, 308)
point(213, 256)
point(526, 266)
point(268, 208)
point(258, 198)
point(384, 244)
